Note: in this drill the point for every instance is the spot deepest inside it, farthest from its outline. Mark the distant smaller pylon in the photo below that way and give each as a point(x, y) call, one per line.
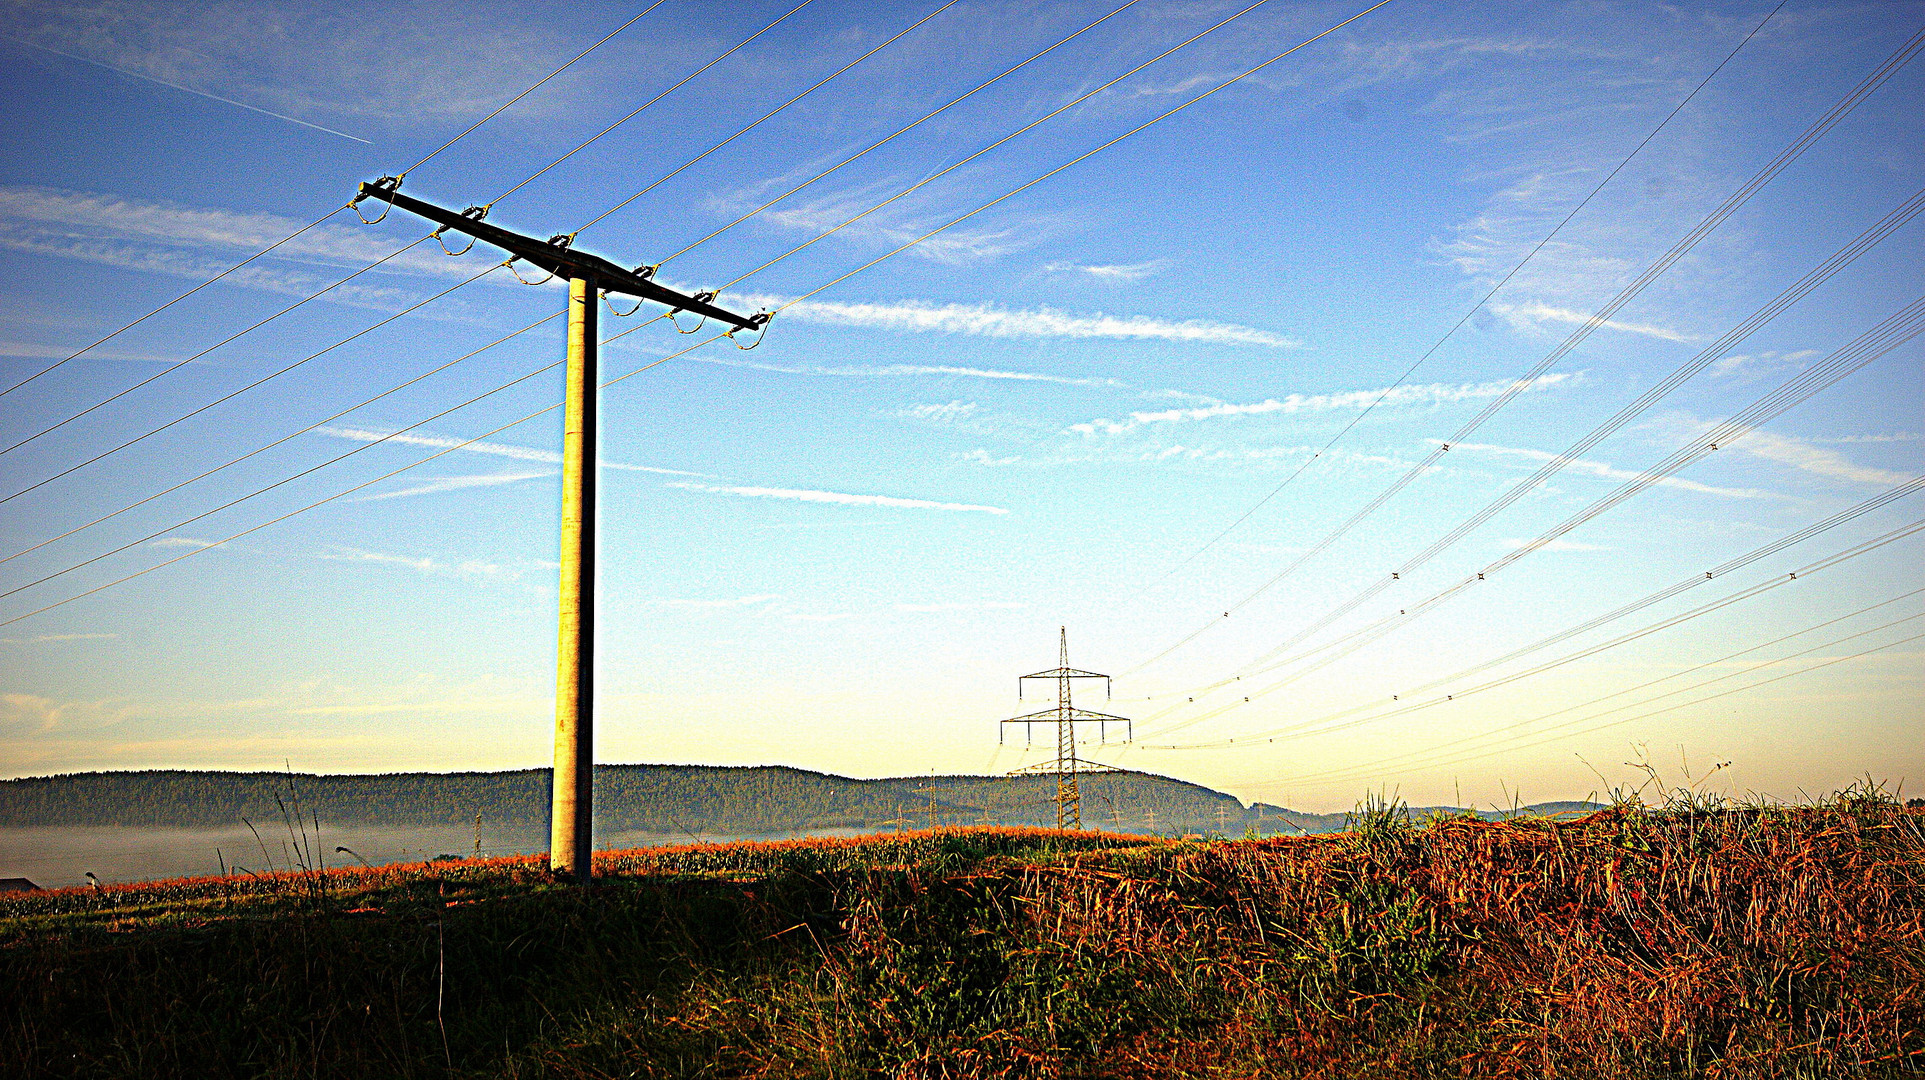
point(1068, 765)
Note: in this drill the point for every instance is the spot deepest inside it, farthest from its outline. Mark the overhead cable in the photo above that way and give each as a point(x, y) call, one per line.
point(1389, 710)
point(1052, 114)
point(1678, 250)
point(699, 344)
point(538, 84)
point(343, 493)
point(592, 138)
point(1562, 731)
point(1896, 329)
point(363, 270)
point(924, 118)
point(324, 217)
point(758, 121)
point(1459, 324)
point(410, 382)
point(1864, 242)
point(953, 222)
point(1413, 758)
point(364, 402)
point(178, 364)
point(150, 432)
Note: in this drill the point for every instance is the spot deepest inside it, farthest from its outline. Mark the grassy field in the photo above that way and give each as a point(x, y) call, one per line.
point(1681, 941)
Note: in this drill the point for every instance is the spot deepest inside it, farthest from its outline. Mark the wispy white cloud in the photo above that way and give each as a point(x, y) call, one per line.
point(944, 413)
point(249, 55)
point(971, 373)
point(983, 457)
point(889, 370)
point(42, 639)
point(983, 320)
point(29, 350)
point(1516, 542)
point(1817, 460)
point(80, 217)
point(1729, 365)
point(833, 497)
point(986, 605)
point(470, 569)
point(1602, 470)
point(507, 450)
point(1532, 315)
point(182, 542)
point(456, 483)
point(1894, 437)
point(1427, 394)
point(1110, 271)
point(755, 600)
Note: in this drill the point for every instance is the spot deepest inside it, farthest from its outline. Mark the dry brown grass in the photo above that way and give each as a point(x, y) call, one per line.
point(1756, 942)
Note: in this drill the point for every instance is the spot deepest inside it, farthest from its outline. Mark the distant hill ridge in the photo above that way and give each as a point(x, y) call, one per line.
point(707, 799)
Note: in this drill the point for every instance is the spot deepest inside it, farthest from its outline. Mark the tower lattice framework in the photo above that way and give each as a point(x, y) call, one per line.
point(1068, 765)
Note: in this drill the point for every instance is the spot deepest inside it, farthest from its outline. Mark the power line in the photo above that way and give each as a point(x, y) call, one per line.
point(906, 127)
point(691, 75)
point(571, 63)
point(324, 217)
point(1474, 309)
point(368, 483)
point(363, 270)
point(286, 438)
point(1446, 747)
point(1309, 728)
point(1890, 332)
point(1864, 242)
point(1673, 708)
point(699, 157)
point(1072, 103)
point(1692, 582)
point(666, 177)
point(1678, 250)
point(671, 356)
point(178, 364)
point(129, 326)
point(1080, 157)
point(385, 393)
point(233, 393)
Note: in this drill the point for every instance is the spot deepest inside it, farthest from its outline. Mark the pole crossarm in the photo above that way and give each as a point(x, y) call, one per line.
point(1064, 673)
point(556, 257)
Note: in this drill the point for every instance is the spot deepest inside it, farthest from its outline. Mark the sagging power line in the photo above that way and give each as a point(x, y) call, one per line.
point(317, 222)
point(1824, 123)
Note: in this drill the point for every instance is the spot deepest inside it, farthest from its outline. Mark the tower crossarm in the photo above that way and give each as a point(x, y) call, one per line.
point(1064, 673)
point(556, 257)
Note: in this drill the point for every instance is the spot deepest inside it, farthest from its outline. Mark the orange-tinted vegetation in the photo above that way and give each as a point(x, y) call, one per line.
point(1751, 942)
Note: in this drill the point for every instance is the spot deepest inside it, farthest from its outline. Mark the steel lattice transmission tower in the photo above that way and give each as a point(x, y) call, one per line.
point(1067, 766)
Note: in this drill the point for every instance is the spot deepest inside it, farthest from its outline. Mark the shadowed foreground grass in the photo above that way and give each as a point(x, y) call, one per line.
point(1757, 942)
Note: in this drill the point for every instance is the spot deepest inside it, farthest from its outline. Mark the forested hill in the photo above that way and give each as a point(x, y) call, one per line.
point(668, 799)
point(649, 798)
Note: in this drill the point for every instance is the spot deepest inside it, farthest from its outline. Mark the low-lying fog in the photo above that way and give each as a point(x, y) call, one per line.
point(55, 856)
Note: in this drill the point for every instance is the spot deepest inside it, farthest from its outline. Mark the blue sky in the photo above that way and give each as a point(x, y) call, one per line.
point(839, 549)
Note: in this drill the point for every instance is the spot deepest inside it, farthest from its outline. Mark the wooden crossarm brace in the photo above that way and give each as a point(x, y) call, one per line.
point(562, 261)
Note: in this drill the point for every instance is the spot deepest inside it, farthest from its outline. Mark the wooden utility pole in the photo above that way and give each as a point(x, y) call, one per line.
point(571, 848)
point(570, 844)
